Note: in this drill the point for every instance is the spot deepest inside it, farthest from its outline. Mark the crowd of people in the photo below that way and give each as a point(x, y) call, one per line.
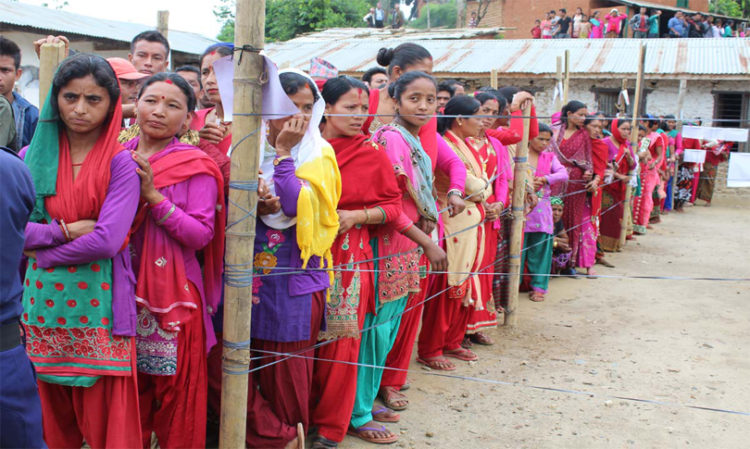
point(643, 24)
point(383, 220)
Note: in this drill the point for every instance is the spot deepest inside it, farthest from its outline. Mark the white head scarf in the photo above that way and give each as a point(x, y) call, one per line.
point(307, 149)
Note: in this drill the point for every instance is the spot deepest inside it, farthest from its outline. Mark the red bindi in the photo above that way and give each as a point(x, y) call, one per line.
point(163, 97)
point(213, 52)
point(168, 81)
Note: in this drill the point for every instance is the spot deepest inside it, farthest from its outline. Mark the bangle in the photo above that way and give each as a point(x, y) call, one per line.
point(453, 192)
point(384, 216)
point(407, 228)
point(65, 230)
point(367, 216)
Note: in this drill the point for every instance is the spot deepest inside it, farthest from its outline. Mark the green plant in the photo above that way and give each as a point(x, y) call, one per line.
point(440, 14)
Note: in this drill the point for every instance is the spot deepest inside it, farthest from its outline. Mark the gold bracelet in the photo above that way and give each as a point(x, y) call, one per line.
point(367, 216)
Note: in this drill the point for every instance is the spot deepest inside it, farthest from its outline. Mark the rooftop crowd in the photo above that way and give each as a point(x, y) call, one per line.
point(646, 23)
point(383, 224)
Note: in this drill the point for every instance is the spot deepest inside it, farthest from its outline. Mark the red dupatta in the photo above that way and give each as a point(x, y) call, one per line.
point(366, 174)
point(162, 279)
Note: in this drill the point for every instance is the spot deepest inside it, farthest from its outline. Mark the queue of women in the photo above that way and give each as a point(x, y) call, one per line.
point(367, 227)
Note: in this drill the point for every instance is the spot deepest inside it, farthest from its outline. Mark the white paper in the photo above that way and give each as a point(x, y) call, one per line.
point(224, 71)
point(712, 133)
point(276, 103)
point(739, 170)
point(696, 156)
point(625, 96)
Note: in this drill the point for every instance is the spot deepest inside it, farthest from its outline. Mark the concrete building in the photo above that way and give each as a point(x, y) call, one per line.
point(716, 70)
point(23, 24)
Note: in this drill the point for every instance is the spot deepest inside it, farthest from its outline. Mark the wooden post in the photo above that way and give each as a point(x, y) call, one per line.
point(633, 140)
point(162, 23)
point(566, 80)
point(558, 82)
point(516, 230)
point(493, 78)
point(50, 57)
point(240, 237)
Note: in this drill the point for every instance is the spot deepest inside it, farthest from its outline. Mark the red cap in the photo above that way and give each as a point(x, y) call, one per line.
point(125, 70)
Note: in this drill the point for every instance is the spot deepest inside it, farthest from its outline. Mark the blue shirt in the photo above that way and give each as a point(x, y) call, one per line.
point(677, 25)
point(26, 115)
point(379, 14)
point(16, 203)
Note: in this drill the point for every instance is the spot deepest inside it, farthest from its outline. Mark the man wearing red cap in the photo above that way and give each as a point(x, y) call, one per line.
point(130, 81)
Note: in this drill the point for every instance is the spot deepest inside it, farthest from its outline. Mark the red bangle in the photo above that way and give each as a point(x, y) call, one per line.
point(65, 230)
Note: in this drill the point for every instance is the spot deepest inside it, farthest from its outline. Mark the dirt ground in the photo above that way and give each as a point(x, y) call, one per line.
point(674, 341)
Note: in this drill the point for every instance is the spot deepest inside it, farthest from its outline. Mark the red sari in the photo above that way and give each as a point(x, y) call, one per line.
point(367, 184)
point(610, 222)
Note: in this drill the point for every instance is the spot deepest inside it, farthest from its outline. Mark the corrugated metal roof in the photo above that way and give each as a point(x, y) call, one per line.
point(401, 33)
point(63, 22)
point(589, 58)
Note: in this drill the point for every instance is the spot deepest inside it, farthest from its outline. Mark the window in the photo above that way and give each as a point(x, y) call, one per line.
point(731, 110)
point(683, 3)
point(607, 98)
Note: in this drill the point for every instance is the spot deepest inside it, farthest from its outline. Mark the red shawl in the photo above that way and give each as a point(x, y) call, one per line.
point(600, 154)
point(366, 174)
point(617, 189)
point(82, 198)
point(164, 288)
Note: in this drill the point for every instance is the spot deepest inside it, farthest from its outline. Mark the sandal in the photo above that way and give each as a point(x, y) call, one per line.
point(464, 354)
point(466, 342)
point(384, 414)
point(391, 397)
point(360, 432)
point(536, 296)
point(437, 363)
point(406, 386)
point(481, 339)
point(321, 442)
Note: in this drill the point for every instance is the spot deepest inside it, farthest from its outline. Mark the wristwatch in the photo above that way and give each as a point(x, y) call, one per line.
point(279, 159)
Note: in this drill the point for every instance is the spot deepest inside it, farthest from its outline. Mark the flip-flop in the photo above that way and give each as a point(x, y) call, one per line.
point(432, 363)
point(384, 414)
point(358, 433)
point(462, 354)
point(481, 339)
point(390, 402)
point(321, 442)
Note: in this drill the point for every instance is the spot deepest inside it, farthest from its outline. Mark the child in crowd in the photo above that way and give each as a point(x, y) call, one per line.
point(545, 171)
point(585, 30)
point(536, 32)
point(560, 243)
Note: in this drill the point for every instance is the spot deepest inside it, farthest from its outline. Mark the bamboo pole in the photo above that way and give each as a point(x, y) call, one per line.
point(566, 79)
point(680, 107)
point(558, 82)
point(493, 78)
point(240, 236)
point(162, 23)
point(633, 140)
point(516, 230)
point(50, 57)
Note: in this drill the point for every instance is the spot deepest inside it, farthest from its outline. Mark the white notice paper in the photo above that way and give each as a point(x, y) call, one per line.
point(710, 133)
point(696, 156)
point(276, 103)
point(739, 170)
point(224, 71)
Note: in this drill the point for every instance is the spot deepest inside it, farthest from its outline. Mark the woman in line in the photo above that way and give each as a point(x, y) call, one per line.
point(210, 121)
point(80, 315)
point(597, 26)
point(577, 20)
point(299, 167)
point(545, 171)
point(654, 147)
point(496, 165)
point(716, 153)
point(400, 60)
point(669, 125)
point(182, 214)
point(370, 199)
point(560, 241)
point(446, 317)
point(414, 94)
point(613, 194)
point(572, 146)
